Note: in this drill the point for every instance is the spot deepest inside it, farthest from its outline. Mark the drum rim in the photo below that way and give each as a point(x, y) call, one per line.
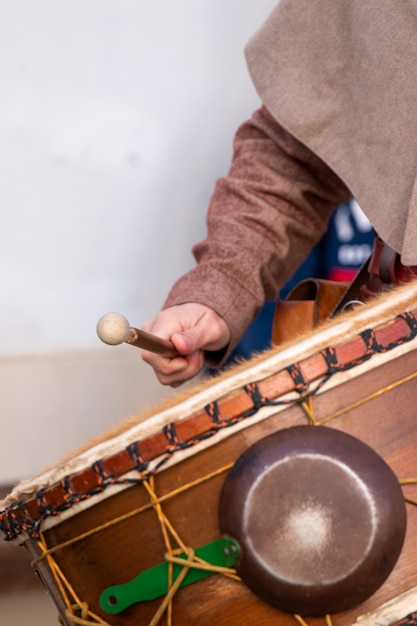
point(146, 453)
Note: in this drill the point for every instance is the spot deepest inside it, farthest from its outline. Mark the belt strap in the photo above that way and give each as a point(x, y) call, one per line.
point(382, 271)
point(313, 301)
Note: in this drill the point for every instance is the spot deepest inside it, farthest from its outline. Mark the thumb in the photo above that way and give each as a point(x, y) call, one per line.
point(188, 341)
point(209, 333)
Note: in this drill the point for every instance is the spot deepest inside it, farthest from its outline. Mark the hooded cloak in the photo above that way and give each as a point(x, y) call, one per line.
point(341, 76)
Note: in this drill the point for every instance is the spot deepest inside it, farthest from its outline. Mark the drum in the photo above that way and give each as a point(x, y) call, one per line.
point(280, 492)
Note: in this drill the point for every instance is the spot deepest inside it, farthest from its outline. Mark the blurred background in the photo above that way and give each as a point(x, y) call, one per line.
point(115, 120)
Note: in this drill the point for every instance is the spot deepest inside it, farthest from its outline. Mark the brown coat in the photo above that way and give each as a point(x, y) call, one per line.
point(337, 78)
point(341, 76)
point(263, 220)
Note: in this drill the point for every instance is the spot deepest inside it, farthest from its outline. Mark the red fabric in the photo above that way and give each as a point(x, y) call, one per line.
point(264, 218)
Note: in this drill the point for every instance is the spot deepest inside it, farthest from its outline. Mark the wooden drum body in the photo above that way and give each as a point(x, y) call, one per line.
point(150, 493)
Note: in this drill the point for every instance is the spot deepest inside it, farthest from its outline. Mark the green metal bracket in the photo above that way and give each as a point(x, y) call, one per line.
point(153, 583)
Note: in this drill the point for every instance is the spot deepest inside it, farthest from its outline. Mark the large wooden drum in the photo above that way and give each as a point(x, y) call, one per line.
point(281, 493)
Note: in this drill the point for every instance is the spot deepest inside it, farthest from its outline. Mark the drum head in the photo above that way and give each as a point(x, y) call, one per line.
point(320, 518)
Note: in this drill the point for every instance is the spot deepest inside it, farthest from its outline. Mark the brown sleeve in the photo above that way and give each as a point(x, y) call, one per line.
point(263, 220)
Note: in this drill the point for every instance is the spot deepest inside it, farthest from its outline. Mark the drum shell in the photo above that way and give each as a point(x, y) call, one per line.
point(118, 553)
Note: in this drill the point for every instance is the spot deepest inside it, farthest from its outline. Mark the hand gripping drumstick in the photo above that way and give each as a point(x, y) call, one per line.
point(114, 329)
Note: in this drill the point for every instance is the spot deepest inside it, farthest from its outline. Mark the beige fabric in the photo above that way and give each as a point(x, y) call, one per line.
point(341, 76)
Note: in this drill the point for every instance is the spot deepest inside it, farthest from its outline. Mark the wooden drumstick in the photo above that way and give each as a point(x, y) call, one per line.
point(114, 329)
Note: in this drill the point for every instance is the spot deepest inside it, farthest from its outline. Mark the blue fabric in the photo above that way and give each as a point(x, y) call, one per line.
point(338, 256)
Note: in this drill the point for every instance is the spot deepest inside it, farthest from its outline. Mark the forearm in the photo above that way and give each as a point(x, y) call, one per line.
point(264, 218)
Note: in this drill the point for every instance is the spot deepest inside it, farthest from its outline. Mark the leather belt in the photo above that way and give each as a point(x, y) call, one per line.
point(385, 270)
point(381, 272)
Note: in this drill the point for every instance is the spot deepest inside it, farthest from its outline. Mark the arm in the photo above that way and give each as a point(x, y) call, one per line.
point(264, 217)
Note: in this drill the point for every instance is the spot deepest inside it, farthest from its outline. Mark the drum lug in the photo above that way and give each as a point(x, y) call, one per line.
point(154, 582)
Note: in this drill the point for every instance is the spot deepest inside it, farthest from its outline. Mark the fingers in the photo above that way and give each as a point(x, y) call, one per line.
point(175, 371)
point(192, 328)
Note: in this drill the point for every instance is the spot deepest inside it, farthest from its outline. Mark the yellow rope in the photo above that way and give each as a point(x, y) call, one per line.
point(83, 620)
point(302, 621)
point(167, 601)
point(307, 405)
point(126, 516)
point(53, 567)
point(163, 520)
point(168, 530)
point(165, 526)
point(191, 562)
point(62, 582)
point(197, 563)
point(408, 481)
point(371, 396)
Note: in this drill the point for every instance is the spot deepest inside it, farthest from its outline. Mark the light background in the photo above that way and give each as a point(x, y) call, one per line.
point(116, 118)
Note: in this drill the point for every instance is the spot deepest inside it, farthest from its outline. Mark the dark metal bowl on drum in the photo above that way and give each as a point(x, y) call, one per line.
point(320, 517)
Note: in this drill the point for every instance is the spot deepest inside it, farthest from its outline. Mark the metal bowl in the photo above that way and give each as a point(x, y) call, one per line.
point(320, 518)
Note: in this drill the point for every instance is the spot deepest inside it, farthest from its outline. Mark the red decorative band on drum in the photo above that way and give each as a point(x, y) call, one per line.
point(174, 442)
point(134, 452)
point(256, 397)
point(301, 385)
point(222, 419)
point(27, 516)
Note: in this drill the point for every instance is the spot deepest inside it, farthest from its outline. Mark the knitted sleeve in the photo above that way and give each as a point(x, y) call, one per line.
point(263, 219)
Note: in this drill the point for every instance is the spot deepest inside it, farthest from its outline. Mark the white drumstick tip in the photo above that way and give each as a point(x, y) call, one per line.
point(113, 329)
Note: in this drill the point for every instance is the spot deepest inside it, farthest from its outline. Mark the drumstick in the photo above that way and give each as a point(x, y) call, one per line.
point(114, 329)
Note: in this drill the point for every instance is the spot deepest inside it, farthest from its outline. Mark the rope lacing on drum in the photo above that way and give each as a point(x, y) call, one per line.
point(10, 529)
point(20, 518)
point(302, 621)
point(174, 442)
point(301, 386)
point(257, 398)
point(373, 347)
point(411, 322)
point(29, 525)
point(134, 452)
point(213, 411)
point(169, 533)
point(219, 422)
point(77, 610)
point(104, 477)
point(71, 496)
point(259, 401)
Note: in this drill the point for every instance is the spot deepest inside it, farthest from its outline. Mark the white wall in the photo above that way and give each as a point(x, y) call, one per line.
point(116, 117)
